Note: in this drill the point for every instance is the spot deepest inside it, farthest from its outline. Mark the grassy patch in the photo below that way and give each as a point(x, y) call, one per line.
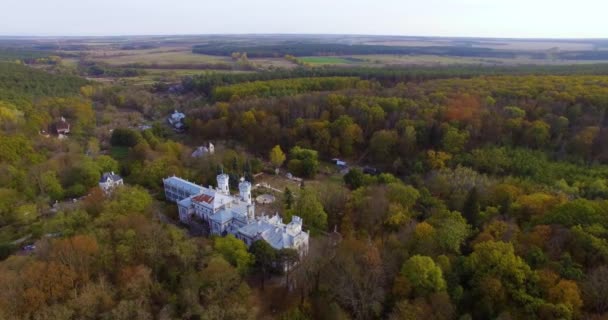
point(119, 153)
point(160, 58)
point(326, 60)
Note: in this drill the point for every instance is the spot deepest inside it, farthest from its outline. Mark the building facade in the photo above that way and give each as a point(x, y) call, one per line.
point(234, 214)
point(109, 181)
point(176, 120)
point(202, 151)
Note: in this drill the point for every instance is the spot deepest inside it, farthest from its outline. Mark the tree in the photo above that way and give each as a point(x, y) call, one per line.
point(497, 273)
point(130, 200)
point(50, 185)
point(235, 252)
point(406, 310)
point(405, 195)
point(288, 258)
point(407, 140)
point(85, 173)
point(78, 253)
point(453, 140)
point(125, 137)
point(47, 282)
point(514, 112)
point(397, 217)
point(577, 212)
point(265, 258)
point(354, 179)
point(369, 208)
point(224, 294)
point(93, 146)
point(452, 230)
point(537, 204)
point(424, 276)
point(288, 198)
point(277, 157)
point(135, 282)
point(582, 143)
point(568, 293)
point(304, 162)
point(93, 299)
point(537, 134)
point(471, 209)
point(436, 306)
point(382, 145)
point(348, 133)
point(9, 199)
point(106, 163)
point(437, 159)
point(356, 277)
point(309, 208)
point(595, 290)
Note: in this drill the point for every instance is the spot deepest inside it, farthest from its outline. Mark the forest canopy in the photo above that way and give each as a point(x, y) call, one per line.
point(461, 192)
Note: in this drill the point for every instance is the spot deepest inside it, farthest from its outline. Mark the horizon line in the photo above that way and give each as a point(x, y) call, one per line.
point(41, 36)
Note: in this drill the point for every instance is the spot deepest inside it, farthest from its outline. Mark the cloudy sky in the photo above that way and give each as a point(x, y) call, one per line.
point(482, 18)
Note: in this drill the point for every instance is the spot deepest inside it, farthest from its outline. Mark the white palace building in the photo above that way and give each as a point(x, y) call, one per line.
point(232, 214)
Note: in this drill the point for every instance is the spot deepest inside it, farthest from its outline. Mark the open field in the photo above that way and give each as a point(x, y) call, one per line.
point(187, 72)
point(278, 182)
point(272, 62)
point(170, 58)
point(154, 56)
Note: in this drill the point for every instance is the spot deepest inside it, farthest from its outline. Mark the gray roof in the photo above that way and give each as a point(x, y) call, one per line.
point(111, 176)
point(182, 184)
point(274, 231)
point(222, 216)
point(187, 202)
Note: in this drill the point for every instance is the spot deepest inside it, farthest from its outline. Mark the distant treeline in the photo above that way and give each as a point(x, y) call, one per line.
point(323, 49)
point(97, 69)
point(282, 87)
point(139, 46)
point(27, 56)
point(205, 83)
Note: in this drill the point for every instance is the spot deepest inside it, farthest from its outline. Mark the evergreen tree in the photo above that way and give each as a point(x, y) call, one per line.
point(288, 198)
point(470, 209)
point(247, 171)
point(265, 257)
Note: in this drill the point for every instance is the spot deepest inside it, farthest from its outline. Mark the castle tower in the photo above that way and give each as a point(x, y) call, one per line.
point(222, 184)
point(250, 213)
point(245, 190)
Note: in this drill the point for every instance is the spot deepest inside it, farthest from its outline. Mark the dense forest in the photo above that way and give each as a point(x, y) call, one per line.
point(19, 82)
point(205, 83)
point(472, 193)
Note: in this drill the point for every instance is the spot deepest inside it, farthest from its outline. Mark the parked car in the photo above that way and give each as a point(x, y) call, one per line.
point(371, 170)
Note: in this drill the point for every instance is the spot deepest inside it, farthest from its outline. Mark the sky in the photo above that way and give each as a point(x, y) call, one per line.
point(451, 18)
